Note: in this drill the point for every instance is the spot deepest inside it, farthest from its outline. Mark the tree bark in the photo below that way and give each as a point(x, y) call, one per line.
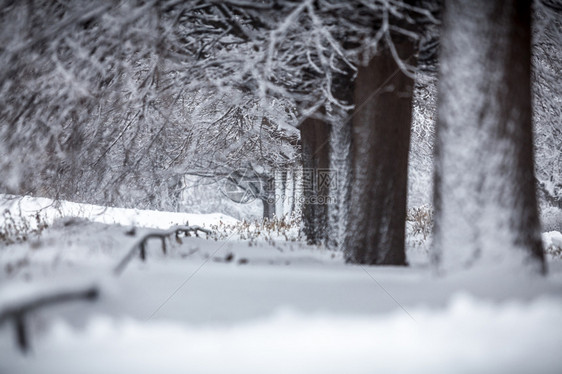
point(340, 166)
point(380, 142)
point(340, 155)
point(315, 136)
point(484, 191)
point(268, 199)
point(281, 192)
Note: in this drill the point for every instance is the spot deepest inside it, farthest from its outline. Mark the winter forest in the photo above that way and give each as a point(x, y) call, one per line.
point(280, 186)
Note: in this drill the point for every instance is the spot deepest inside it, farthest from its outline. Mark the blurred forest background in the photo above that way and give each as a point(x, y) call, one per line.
point(168, 104)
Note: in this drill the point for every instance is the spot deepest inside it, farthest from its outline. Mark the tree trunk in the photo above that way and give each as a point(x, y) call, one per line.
point(288, 203)
point(340, 165)
point(296, 201)
point(315, 136)
point(281, 192)
point(484, 191)
point(268, 199)
point(340, 157)
point(380, 143)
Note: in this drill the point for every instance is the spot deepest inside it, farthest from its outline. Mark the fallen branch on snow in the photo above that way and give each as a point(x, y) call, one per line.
point(140, 245)
point(18, 311)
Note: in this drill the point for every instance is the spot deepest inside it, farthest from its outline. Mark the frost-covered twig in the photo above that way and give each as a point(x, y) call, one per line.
point(140, 245)
point(18, 311)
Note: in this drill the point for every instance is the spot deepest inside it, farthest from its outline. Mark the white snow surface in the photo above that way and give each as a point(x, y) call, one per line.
point(519, 339)
point(27, 207)
point(268, 306)
point(552, 238)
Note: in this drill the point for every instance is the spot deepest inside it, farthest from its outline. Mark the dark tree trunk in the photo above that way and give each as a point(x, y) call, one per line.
point(485, 198)
point(380, 143)
point(268, 199)
point(294, 192)
point(315, 137)
point(268, 209)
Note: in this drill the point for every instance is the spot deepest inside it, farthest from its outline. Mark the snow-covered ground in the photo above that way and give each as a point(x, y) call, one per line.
point(268, 305)
point(28, 207)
